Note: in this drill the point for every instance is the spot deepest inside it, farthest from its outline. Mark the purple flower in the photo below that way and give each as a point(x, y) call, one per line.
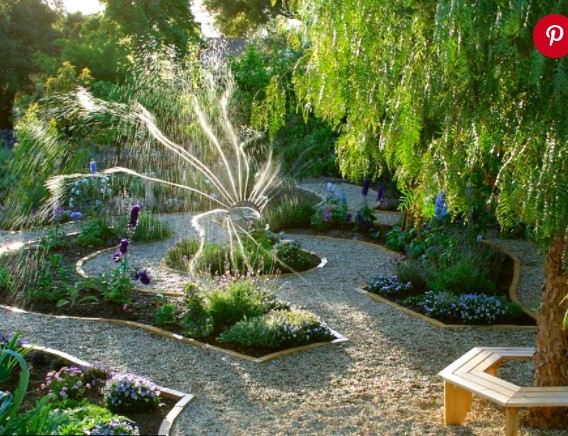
point(117, 257)
point(134, 213)
point(366, 185)
point(327, 214)
point(93, 167)
point(348, 218)
point(143, 277)
point(123, 248)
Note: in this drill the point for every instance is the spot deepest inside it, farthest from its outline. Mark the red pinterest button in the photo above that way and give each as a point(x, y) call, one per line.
point(550, 36)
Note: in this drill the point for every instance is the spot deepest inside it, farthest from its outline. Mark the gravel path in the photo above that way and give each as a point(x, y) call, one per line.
point(384, 381)
point(532, 270)
point(354, 198)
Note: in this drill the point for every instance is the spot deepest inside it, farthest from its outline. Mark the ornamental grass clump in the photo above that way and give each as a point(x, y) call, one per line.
point(385, 285)
point(128, 392)
point(67, 383)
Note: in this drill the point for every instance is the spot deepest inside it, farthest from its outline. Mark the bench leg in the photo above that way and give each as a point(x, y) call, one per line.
point(457, 402)
point(511, 421)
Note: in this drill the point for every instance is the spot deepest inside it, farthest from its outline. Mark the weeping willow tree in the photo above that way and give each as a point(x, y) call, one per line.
point(440, 92)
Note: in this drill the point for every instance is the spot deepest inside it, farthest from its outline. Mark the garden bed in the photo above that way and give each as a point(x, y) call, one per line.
point(140, 311)
point(42, 361)
point(507, 280)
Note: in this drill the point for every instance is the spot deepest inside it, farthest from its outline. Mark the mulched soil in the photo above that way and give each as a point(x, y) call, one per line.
point(40, 364)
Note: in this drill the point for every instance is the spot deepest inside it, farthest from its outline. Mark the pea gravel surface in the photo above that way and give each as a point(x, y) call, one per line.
point(383, 381)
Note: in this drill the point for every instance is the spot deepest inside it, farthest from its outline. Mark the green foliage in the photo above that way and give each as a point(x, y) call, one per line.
point(118, 286)
point(97, 233)
point(445, 258)
point(55, 239)
point(331, 213)
point(149, 229)
point(196, 322)
point(254, 332)
point(436, 119)
point(7, 179)
point(414, 272)
point(466, 276)
point(242, 17)
point(158, 24)
point(266, 99)
point(7, 360)
point(165, 314)
point(236, 301)
point(80, 420)
point(256, 253)
point(6, 279)
point(20, 42)
point(278, 328)
point(293, 214)
point(290, 255)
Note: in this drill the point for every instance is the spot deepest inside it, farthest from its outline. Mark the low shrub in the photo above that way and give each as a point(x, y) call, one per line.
point(97, 233)
point(290, 255)
point(299, 327)
point(385, 285)
point(238, 300)
point(254, 332)
point(295, 213)
point(165, 314)
point(196, 322)
point(128, 392)
point(278, 328)
point(463, 277)
point(414, 272)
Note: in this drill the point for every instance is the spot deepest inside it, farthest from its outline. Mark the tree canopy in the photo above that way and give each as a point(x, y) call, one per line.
point(26, 28)
point(237, 18)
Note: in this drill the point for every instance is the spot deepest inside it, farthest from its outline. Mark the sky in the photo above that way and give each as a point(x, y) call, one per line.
point(93, 6)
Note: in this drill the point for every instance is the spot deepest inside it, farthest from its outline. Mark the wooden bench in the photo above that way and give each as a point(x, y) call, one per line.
point(476, 373)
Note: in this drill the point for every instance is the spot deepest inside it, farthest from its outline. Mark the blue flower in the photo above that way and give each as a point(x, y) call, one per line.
point(76, 215)
point(93, 167)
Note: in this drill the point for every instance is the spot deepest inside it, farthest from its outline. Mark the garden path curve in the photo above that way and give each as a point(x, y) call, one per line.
point(384, 381)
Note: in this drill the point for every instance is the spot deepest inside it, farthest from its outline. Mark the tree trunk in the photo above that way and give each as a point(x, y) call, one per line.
point(551, 359)
point(6, 107)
